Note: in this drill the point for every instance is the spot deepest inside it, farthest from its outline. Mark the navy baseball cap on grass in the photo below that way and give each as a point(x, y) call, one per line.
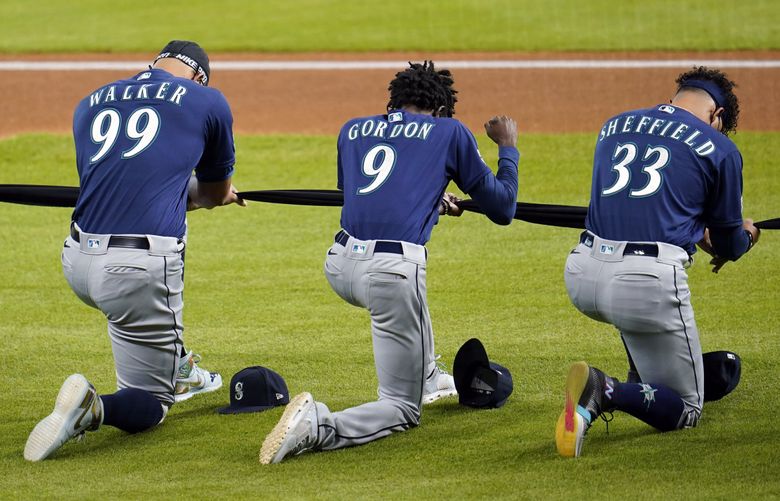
point(255, 389)
point(480, 382)
point(722, 370)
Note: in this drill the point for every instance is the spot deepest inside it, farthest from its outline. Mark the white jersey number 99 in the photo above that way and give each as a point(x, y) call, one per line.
point(143, 125)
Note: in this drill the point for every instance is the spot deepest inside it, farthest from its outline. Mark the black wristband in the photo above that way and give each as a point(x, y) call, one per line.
point(750, 240)
point(445, 207)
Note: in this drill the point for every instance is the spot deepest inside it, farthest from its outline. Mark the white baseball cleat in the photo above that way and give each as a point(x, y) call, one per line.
point(438, 385)
point(295, 433)
point(192, 380)
point(78, 409)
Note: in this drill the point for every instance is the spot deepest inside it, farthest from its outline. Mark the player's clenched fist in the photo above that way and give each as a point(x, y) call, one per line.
point(449, 205)
point(502, 130)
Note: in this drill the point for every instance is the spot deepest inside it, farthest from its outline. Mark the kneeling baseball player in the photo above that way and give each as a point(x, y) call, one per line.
point(138, 141)
point(393, 169)
point(664, 179)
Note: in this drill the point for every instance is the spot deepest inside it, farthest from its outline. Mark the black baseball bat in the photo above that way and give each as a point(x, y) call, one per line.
point(550, 215)
point(324, 198)
point(47, 196)
point(769, 224)
point(565, 216)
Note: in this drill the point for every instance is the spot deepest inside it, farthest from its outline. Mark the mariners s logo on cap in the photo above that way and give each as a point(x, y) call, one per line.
point(256, 389)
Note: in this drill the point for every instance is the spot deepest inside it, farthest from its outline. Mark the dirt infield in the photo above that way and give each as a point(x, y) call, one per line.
point(319, 101)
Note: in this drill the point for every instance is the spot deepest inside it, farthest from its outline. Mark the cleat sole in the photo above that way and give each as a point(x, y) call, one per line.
point(569, 430)
point(269, 452)
point(50, 433)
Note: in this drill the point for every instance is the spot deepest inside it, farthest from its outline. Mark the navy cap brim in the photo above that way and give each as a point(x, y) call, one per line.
point(471, 355)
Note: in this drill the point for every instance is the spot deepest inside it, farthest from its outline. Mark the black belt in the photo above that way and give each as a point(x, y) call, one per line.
point(126, 242)
point(631, 249)
point(379, 246)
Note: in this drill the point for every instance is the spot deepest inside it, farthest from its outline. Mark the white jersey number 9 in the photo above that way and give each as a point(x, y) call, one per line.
point(386, 156)
point(143, 125)
point(652, 170)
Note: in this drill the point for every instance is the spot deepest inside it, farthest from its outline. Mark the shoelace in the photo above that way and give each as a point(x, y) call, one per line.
point(195, 361)
point(440, 365)
point(603, 417)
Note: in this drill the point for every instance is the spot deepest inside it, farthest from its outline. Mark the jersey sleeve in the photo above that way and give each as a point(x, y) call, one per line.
point(725, 200)
point(467, 167)
point(78, 121)
point(339, 165)
point(219, 154)
point(497, 195)
point(729, 243)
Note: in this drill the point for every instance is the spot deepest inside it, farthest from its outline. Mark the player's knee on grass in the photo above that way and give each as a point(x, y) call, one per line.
point(410, 412)
point(655, 404)
point(132, 410)
point(414, 419)
point(690, 418)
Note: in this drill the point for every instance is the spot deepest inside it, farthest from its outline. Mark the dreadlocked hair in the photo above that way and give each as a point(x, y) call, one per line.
point(422, 86)
point(731, 107)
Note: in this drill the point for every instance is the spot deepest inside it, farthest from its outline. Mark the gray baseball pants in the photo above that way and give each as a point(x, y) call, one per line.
point(391, 286)
point(648, 300)
point(140, 293)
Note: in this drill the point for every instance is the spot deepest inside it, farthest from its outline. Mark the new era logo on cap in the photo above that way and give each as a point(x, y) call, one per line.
point(255, 389)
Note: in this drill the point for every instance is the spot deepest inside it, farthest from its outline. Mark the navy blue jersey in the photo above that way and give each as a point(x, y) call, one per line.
point(394, 169)
point(662, 175)
point(137, 143)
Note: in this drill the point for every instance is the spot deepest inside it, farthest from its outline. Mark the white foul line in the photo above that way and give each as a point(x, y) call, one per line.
point(519, 64)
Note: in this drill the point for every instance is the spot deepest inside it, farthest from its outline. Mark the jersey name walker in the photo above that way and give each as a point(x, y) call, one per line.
point(394, 168)
point(137, 142)
point(661, 175)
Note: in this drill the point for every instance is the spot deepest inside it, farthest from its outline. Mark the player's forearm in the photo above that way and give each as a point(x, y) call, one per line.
point(207, 195)
point(730, 243)
point(497, 195)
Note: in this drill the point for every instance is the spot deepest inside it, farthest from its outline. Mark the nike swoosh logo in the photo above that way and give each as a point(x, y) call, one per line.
point(331, 253)
point(86, 404)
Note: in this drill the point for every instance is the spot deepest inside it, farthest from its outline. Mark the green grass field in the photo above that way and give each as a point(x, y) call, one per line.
point(402, 25)
point(256, 294)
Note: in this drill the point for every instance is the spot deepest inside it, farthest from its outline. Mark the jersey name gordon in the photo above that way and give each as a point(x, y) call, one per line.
point(659, 127)
point(161, 91)
point(385, 130)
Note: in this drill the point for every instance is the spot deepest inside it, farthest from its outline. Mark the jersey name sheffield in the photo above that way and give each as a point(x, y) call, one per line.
point(659, 127)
